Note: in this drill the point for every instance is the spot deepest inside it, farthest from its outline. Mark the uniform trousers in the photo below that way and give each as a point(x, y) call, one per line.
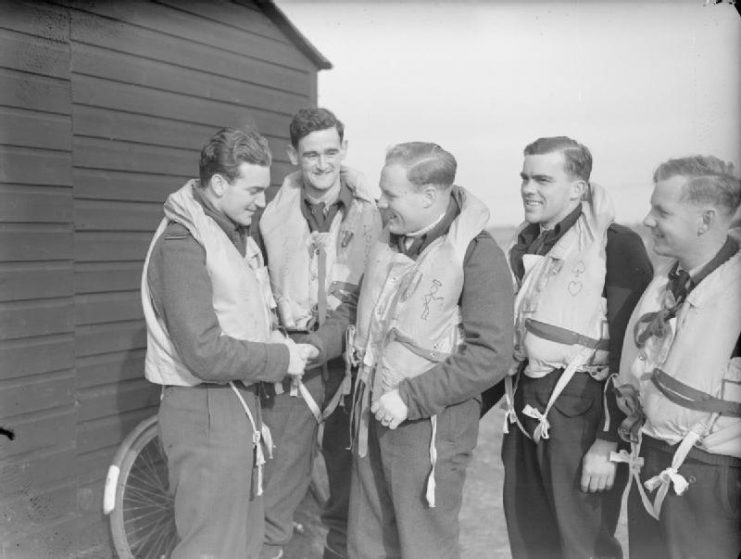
point(207, 439)
point(389, 514)
point(288, 474)
point(548, 515)
point(703, 522)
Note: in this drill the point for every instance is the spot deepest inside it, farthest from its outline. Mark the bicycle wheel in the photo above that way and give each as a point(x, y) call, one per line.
point(142, 517)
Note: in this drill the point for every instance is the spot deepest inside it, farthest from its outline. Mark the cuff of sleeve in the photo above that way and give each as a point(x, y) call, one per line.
point(406, 397)
point(277, 359)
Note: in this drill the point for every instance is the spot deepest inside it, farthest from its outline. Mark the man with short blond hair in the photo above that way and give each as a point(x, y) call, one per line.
point(433, 330)
point(681, 371)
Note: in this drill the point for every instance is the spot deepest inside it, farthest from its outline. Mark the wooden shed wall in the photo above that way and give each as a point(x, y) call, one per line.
point(104, 109)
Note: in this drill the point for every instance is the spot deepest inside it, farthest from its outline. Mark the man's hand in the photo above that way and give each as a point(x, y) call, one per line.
point(296, 358)
point(390, 409)
point(308, 352)
point(597, 472)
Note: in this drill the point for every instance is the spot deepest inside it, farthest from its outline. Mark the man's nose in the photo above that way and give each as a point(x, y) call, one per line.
point(528, 186)
point(260, 200)
point(382, 203)
point(649, 220)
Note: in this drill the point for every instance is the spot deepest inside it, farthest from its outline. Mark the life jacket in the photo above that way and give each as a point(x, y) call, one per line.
point(241, 297)
point(241, 294)
point(560, 309)
point(687, 382)
point(298, 260)
point(408, 313)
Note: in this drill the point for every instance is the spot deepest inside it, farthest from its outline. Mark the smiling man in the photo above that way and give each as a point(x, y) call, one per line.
point(682, 365)
point(578, 277)
point(434, 329)
point(317, 234)
point(208, 311)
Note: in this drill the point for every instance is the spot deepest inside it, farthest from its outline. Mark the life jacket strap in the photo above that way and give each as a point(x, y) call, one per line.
point(564, 336)
point(691, 398)
point(257, 440)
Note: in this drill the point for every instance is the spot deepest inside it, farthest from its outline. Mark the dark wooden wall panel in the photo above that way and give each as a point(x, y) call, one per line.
point(37, 375)
point(104, 108)
point(158, 22)
point(34, 356)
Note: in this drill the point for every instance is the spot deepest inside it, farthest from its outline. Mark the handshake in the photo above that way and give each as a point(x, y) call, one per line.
point(300, 356)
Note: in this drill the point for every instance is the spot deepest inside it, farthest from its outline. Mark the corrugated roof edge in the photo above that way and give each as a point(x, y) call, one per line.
point(280, 19)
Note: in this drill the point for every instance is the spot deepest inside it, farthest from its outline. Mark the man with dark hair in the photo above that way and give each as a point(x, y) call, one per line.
point(681, 371)
point(578, 277)
point(210, 342)
point(317, 234)
point(434, 329)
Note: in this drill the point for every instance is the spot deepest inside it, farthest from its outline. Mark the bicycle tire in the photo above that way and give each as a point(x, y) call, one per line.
point(142, 517)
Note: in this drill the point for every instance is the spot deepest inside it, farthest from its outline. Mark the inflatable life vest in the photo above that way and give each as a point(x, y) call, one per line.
point(307, 268)
point(241, 294)
point(560, 310)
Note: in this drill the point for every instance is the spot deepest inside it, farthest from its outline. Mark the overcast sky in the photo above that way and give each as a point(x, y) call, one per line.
point(637, 82)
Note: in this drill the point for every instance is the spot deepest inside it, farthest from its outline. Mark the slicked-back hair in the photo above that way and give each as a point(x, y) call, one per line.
point(307, 121)
point(710, 181)
point(425, 162)
point(228, 149)
point(577, 159)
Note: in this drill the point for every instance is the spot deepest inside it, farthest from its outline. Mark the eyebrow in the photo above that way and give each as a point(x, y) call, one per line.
point(525, 176)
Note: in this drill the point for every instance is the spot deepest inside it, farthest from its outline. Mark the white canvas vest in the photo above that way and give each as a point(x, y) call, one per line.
point(241, 294)
point(696, 351)
point(297, 257)
point(408, 315)
point(685, 376)
point(564, 289)
point(560, 310)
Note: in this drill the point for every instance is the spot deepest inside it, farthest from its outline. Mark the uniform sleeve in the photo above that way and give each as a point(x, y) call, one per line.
point(629, 271)
point(329, 339)
point(182, 295)
point(487, 319)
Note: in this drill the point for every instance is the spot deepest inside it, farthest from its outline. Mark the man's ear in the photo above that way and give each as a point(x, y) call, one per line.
point(707, 219)
point(579, 189)
point(430, 193)
point(218, 184)
point(292, 155)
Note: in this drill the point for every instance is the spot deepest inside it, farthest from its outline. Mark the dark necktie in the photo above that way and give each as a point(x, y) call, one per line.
point(655, 323)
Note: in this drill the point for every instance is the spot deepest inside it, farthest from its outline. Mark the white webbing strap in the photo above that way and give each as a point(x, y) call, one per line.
point(635, 463)
point(670, 477)
point(430, 491)
point(510, 414)
point(298, 389)
point(541, 431)
point(310, 402)
point(256, 439)
point(360, 414)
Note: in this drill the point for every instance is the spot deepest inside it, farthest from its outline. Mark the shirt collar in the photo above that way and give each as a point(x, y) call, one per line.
point(229, 227)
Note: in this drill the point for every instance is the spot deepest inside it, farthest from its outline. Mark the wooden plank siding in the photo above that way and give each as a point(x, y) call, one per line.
point(104, 107)
point(38, 488)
